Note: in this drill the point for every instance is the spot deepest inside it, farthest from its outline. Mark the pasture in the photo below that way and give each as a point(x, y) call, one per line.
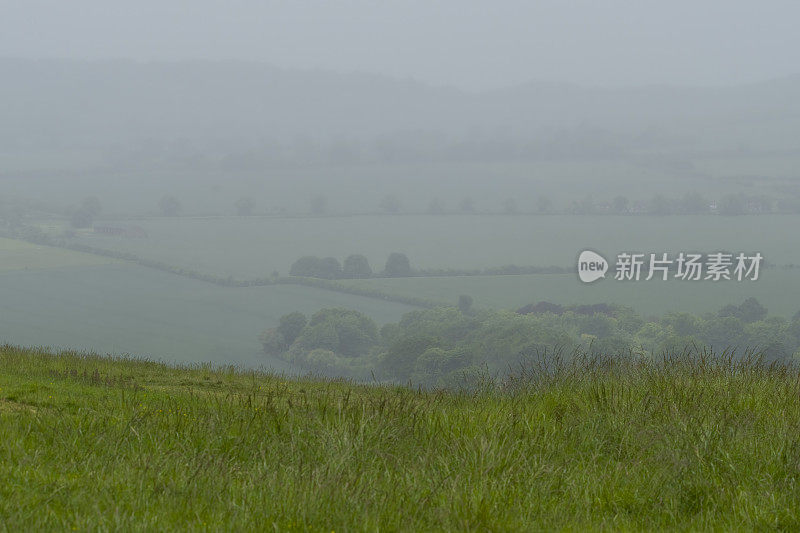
point(251, 247)
point(128, 309)
point(20, 255)
point(653, 297)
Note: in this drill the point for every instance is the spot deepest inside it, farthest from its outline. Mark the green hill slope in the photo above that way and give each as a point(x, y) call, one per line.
point(96, 443)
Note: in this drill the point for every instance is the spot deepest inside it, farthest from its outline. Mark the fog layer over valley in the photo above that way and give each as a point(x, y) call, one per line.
point(178, 209)
point(213, 130)
point(399, 265)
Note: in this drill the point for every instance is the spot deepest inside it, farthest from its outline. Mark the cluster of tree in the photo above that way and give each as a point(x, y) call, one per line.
point(355, 266)
point(444, 345)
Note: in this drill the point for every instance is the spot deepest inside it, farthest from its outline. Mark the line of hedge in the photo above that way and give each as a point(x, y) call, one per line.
point(505, 270)
point(230, 281)
point(36, 236)
point(333, 285)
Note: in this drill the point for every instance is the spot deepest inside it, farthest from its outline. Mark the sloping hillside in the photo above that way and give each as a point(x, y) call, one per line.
point(93, 443)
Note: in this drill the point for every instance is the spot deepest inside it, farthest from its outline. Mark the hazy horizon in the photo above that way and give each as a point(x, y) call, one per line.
point(469, 45)
point(554, 83)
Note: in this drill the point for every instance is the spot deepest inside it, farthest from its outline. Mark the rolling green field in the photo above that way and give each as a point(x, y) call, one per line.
point(20, 255)
point(253, 247)
point(129, 309)
point(773, 289)
point(93, 443)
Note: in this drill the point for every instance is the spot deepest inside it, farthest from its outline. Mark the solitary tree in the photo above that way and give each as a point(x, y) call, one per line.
point(356, 266)
point(397, 266)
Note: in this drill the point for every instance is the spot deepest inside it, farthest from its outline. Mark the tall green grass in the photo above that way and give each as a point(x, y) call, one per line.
point(686, 442)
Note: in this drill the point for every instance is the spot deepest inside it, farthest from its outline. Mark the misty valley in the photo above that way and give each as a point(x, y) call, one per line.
point(237, 296)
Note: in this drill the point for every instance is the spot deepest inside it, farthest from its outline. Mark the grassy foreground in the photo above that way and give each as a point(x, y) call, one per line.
point(96, 443)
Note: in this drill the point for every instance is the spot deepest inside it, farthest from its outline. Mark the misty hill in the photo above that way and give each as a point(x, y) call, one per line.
point(62, 103)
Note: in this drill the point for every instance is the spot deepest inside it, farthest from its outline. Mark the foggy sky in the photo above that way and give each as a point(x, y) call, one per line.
point(467, 43)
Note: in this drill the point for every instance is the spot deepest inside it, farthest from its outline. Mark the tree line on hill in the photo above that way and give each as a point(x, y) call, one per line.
point(445, 346)
point(356, 266)
point(691, 203)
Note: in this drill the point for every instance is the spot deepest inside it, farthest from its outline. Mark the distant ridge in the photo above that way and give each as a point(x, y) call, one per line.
point(118, 100)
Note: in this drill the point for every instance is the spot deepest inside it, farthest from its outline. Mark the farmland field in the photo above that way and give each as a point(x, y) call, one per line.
point(646, 297)
point(20, 255)
point(129, 309)
point(249, 247)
